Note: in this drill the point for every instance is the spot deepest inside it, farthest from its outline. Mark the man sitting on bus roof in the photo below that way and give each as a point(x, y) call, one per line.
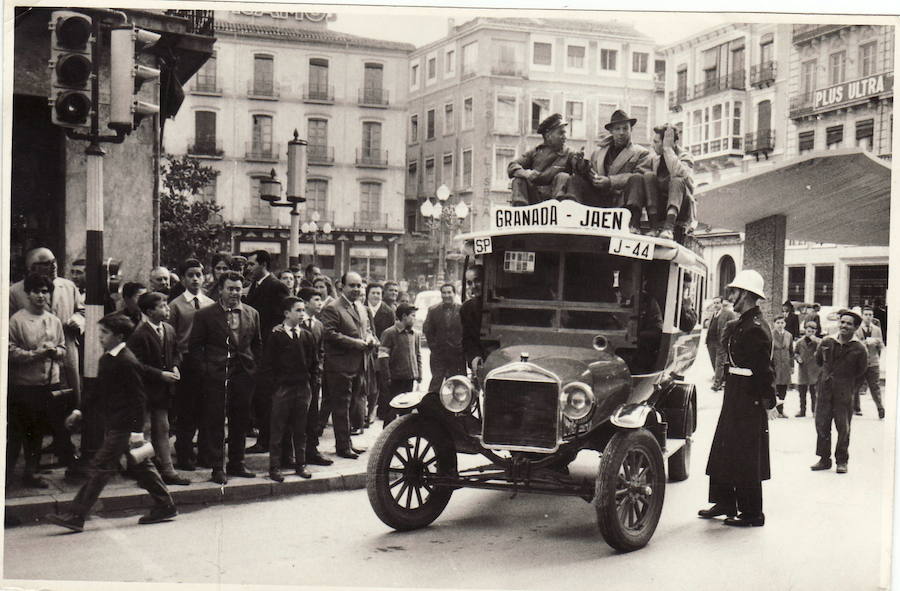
point(543, 173)
point(669, 184)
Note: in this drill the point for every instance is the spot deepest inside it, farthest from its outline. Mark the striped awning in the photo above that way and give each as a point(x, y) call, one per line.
point(842, 197)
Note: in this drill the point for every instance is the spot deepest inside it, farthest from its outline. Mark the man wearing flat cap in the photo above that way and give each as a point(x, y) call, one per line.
point(613, 178)
point(543, 173)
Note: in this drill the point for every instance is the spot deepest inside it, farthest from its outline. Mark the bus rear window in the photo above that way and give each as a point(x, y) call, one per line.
point(527, 275)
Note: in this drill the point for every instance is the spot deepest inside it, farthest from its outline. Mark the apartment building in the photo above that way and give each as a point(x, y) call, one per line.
point(272, 73)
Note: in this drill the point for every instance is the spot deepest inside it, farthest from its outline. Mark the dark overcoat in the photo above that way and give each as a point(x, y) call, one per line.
point(740, 449)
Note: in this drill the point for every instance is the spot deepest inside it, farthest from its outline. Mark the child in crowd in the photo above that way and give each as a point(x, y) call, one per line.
point(783, 359)
point(807, 369)
point(400, 345)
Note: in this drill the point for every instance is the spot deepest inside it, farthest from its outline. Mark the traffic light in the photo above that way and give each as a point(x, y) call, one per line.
point(71, 67)
point(127, 76)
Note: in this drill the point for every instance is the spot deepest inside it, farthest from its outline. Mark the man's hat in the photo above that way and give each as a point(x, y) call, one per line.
point(620, 116)
point(550, 123)
point(856, 317)
point(404, 309)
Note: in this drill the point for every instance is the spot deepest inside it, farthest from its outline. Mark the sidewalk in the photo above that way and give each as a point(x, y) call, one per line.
point(26, 505)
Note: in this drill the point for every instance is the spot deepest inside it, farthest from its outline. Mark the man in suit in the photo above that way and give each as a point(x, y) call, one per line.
point(713, 333)
point(188, 390)
point(225, 341)
point(160, 280)
point(870, 336)
point(470, 319)
point(153, 344)
point(669, 184)
point(726, 315)
point(543, 173)
point(443, 331)
point(265, 295)
point(613, 178)
point(345, 346)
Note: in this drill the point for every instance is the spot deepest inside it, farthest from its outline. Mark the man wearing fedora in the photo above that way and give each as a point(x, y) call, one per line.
point(543, 173)
point(613, 178)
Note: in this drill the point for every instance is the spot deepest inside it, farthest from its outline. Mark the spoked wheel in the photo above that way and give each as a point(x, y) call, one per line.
point(409, 453)
point(631, 487)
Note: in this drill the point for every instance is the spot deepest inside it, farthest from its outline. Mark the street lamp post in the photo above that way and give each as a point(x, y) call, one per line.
point(440, 215)
point(312, 227)
point(270, 191)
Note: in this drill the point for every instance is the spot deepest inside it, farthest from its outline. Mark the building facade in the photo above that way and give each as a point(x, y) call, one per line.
point(476, 98)
point(276, 72)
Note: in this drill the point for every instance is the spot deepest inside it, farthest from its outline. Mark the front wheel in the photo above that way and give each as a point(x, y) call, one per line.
point(630, 489)
point(405, 458)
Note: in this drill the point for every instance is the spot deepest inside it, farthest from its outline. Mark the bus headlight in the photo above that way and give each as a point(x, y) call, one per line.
point(577, 399)
point(456, 393)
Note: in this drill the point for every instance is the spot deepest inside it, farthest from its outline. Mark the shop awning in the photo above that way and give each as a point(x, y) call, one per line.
point(843, 197)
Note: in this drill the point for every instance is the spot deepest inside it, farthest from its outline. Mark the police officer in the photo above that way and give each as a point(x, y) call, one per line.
point(739, 458)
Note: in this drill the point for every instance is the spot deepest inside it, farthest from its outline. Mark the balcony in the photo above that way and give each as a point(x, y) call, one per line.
point(371, 158)
point(318, 93)
point(262, 152)
point(659, 82)
point(804, 33)
point(677, 98)
point(325, 215)
point(801, 104)
point(373, 97)
point(200, 22)
point(760, 142)
point(205, 148)
point(733, 81)
point(323, 155)
point(516, 69)
point(206, 85)
point(263, 90)
point(762, 75)
point(370, 220)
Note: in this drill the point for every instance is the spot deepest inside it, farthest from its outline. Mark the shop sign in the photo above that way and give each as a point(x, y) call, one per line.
point(833, 97)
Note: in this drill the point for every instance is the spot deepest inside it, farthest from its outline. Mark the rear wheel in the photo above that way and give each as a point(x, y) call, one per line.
point(630, 490)
point(680, 461)
point(405, 458)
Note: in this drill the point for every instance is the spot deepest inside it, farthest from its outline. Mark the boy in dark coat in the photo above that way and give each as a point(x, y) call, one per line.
point(123, 401)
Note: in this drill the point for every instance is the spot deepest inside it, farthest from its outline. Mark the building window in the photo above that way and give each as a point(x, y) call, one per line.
point(412, 178)
point(766, 51)
point(502, 157)
point(204, 133)
point(208, 192)
point(717, 121)
point(865, 131)
point(808, 80)
point(317, 197)
point(736, 124)
point(507, 59)
point(575, 117)
point(542, 54)
point(371, 141)
point(317, 136)
point(468, 121)
point(429, 124)
point(373, 85)
point(414, 76)
point(450, 63)
point(469, 59)
point(696, 130)
point(259, 212)
point(608, 59)
point(431, 68)
point(206, 76)
point(867, 59)
point(263, 75)
point(369, 203)
point(413, 129)
point(640, 131)
point(796, 284)
point(449, 120)
point(837, 67)
point(824, 284)
point(429, 176)
point(834, 136)
point(467, 169)
point(447, 171)
point(540, 110)
point(807, 140)
point(505, 114)
point(639, 62)
point(575, 57)
point(261, 145)
point(604, 113)
point(318, 79)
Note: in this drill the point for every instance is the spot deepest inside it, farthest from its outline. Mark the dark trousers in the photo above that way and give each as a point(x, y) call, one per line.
point(526, 193)
point(372, 385)
point(630, 196)
point(342, 390)
point(290, 405)
point(105, 465)
point(713, 352)
point(801, 390)
point(228, 399)
point(663, 194)
point(359, 402)
point(874, 389)
point(312, 422)
point(721, 358)
point(389, 413)
point(262, 405)
point(325, 404)
point(745, 498)
point(189, 405)
point(384, 394)
point(838, 409)
point(32, 412)
point(445, 364)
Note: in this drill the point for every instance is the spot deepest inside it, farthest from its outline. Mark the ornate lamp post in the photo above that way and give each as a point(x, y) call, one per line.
point(312, 227)
point(270, 191)
point(442, 218)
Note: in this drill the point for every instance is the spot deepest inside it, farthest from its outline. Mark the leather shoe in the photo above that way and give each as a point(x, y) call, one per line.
point(880, 413)
point(159, 514)
point(275, 475)
point(841, 469)
point(318, 460)
point(302, 472)
point(256, 448)
point(358, 450)
point(822, 464)
point(67, 520)
point(744, 520)
point(357, 431)
point(175, 479)
point(240, 472)
point(218, 476)
point(347, 454)
point(32, 481)
point(185, 466)
point(716, 510)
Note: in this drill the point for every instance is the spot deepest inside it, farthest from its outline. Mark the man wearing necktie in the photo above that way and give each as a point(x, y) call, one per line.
point(443, 331)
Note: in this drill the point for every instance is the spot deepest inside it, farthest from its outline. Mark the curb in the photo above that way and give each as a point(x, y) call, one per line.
point(30, 510)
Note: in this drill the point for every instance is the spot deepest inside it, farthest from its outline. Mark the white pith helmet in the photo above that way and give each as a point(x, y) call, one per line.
point(749, 280)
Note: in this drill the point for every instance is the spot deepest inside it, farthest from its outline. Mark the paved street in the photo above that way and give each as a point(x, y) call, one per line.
point(823, 532)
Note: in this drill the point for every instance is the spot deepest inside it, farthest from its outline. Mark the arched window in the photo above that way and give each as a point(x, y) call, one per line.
point(726, 270)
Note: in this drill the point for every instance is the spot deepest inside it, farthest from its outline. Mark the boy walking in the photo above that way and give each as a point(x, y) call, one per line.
point(400, 346)
point(290, 356)
point(123, 403)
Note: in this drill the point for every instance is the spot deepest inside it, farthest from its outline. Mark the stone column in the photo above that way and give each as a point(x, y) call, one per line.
point(764, 253)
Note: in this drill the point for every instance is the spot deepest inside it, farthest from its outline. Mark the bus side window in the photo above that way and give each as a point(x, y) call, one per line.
point(687, 316)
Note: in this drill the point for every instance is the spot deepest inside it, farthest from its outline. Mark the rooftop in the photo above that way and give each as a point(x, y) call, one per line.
point(323, 37)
